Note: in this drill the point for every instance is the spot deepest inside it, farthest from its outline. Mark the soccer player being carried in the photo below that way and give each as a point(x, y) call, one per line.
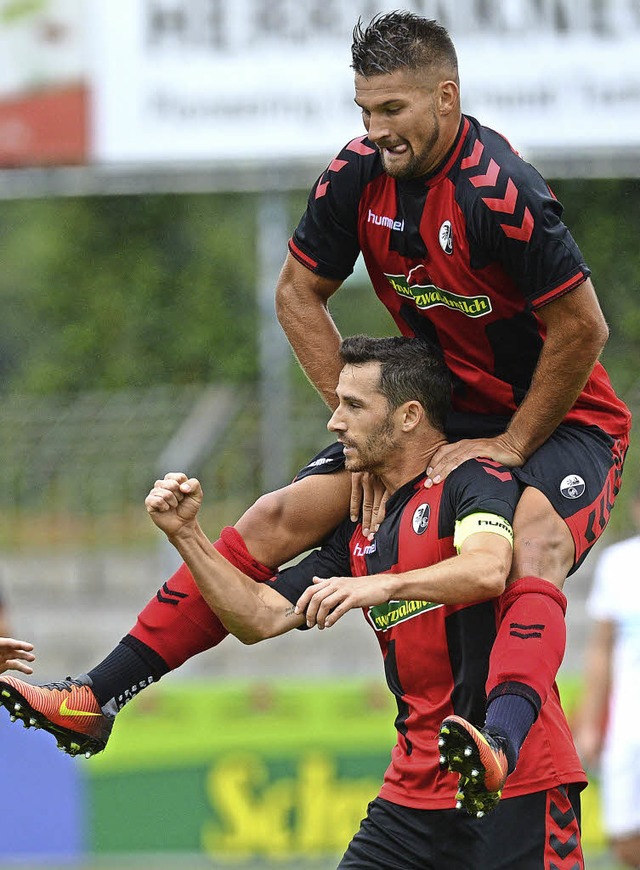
point(465, 245)
point(428, 586)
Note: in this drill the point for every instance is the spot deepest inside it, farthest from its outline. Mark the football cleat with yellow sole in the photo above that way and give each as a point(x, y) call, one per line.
point(68, 709)
point(480, 761)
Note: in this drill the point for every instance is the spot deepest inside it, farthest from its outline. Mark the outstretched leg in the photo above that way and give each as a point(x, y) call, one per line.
point(177, 623)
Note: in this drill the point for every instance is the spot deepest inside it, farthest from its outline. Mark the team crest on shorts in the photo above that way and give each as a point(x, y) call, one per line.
point(420, 519)
point(573, 486)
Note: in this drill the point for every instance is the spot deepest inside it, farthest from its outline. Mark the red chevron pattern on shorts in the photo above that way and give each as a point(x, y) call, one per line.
point(563, 850)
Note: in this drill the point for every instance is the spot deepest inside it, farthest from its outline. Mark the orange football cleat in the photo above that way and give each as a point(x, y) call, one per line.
point(479, 759)
point(67, 709)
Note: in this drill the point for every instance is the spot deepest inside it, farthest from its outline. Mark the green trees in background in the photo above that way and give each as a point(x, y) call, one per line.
point(126, 291)
point(108, 292)
point(604, 217)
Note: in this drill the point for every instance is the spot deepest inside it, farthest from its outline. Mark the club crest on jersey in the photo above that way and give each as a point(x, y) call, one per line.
point(426, 295)
point(445, 237)
point(385, 616)
point(573, 486)
point(420, 519)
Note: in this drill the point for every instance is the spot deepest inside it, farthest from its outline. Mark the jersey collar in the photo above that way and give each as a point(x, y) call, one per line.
point(435, 177)
point(401, 494)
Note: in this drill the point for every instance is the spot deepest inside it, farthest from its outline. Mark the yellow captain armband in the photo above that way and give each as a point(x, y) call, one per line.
point(481, 522)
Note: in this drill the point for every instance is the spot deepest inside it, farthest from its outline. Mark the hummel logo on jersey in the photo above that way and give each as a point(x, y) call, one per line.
point(428, 296)
point(65, 711)
point(358, 550)
point(384, 221)
point(445, 237)
point(322, 461)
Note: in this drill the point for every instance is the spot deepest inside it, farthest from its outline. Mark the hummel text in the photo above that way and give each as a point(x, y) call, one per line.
point(381, 220)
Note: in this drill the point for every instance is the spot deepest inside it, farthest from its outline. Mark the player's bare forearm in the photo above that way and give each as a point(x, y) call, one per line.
point(249, 610)
point(576, 334)
point(301, 306)
point(478, 573)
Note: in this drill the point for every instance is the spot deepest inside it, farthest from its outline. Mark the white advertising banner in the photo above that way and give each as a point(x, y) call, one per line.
point(266, 79)
point(187, 81)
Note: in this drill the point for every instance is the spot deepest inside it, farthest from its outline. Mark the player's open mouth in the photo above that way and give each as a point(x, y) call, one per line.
point(396, 149)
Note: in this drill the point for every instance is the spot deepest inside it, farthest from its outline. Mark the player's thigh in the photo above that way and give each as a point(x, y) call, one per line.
point(543, 545)
point(577, 473)
point(285, 523)
point(537, 831)
point(393, 837)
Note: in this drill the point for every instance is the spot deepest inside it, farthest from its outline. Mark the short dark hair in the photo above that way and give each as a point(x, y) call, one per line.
point(410, 370)
point(401, 40)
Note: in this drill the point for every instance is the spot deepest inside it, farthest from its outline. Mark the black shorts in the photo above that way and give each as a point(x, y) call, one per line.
point(579, 469)
point(538, 831)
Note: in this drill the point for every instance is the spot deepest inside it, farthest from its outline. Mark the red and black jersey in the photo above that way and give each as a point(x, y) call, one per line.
point(462, 258)
point(436, 656)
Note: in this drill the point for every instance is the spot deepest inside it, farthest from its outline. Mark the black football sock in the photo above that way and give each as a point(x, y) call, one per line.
point(126, 671)
point(510, 717)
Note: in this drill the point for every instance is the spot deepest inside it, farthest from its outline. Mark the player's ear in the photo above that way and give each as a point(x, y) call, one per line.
point(412, 415)
point(447, 96)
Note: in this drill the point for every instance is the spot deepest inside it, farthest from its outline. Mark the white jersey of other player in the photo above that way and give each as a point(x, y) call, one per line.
point(615, 598)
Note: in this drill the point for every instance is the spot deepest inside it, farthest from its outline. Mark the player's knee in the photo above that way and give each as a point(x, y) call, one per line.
point(264, 520)
point(269, 509)
point(287, 522)
point(543, 545)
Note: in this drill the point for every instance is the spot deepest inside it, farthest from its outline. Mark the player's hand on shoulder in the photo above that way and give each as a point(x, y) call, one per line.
point(174, 501)
point(15, 655)
point(449, 456)
point(369, 495)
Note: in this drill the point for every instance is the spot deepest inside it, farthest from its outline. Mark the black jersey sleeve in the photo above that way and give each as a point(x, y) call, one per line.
point(326, 239)
point(477, 485)
point(330, 560)
point(517, 221)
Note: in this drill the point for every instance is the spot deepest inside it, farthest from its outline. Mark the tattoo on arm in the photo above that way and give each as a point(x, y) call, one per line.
point(290, 611)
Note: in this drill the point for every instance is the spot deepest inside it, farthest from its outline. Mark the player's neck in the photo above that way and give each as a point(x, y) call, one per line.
point(408, 463)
